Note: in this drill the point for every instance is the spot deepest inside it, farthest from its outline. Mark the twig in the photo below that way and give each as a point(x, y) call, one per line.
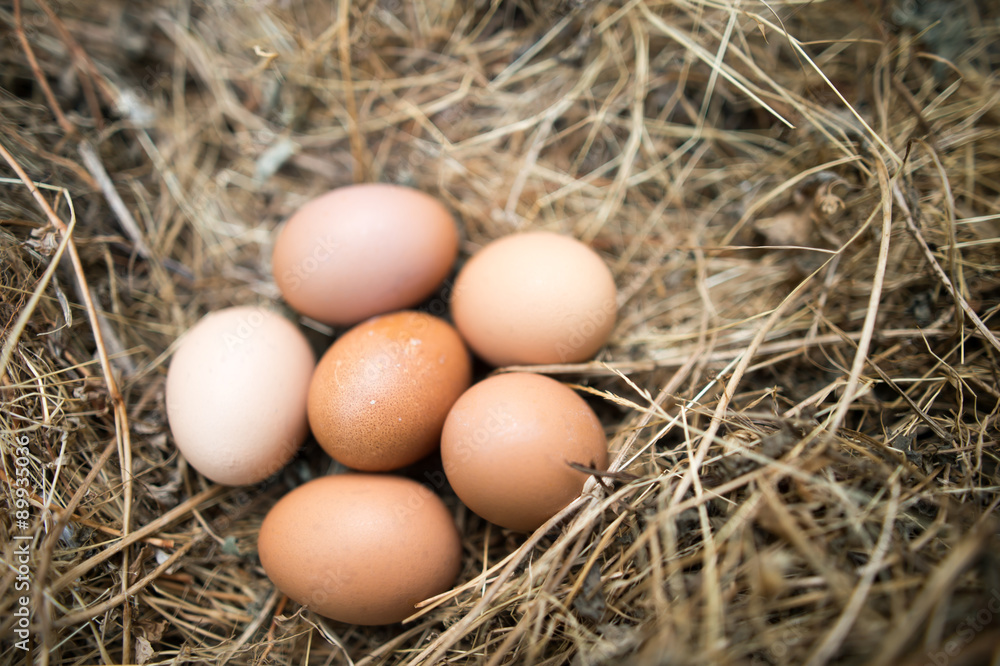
point(871, 316)
point(282, 600)
point(121, 211)
point(730, 388)
point(434, 652)
point(91, 612)
point(125, 542)
point(931, 423)
point(17, 330)
point(83, 63)
point(43, 83)
point(344, 47)
point(944, 575)
point(683, 355)
point(152, 541)
point(835, 637)
point(942, 276)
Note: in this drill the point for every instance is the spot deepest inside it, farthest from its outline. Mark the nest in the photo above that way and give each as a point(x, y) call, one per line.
point(800, 203)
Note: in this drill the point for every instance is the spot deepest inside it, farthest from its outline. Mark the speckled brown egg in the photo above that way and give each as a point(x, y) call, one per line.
point(360, 548)
point(236, 394)
point(535, 297)
point(380, 394)
point(508, 443)
point(363, 250)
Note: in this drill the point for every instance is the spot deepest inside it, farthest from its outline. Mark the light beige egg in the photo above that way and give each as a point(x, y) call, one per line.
point(236, 394)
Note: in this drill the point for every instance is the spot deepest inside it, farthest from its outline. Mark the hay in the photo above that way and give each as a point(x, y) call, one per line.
point(801, 205)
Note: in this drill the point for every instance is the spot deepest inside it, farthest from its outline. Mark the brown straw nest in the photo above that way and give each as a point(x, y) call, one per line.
point(800, 202)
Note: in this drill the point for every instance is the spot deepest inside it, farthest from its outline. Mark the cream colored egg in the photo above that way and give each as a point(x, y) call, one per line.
point(236, 394)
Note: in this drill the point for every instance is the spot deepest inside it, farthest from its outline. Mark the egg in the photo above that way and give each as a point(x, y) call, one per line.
point(535, 297)
point(507, 444)
point(380, 394)
point(360, 548)
point(363, 250)
point(236, 394)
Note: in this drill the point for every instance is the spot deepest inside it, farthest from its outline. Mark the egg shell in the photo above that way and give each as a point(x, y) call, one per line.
point(507, 444)
point(363, 250)
point(360, 548)
point(236, 394)
point(534, 298)
point(380, 394)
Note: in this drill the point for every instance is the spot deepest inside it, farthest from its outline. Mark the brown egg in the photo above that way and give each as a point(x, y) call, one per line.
point(507, 445)
point(362, 250)
point(380, 394)
point(535, 297)
point(236, 394)
point(360, 548)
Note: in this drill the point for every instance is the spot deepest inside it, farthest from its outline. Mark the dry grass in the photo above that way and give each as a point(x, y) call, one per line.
point(801, 205)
